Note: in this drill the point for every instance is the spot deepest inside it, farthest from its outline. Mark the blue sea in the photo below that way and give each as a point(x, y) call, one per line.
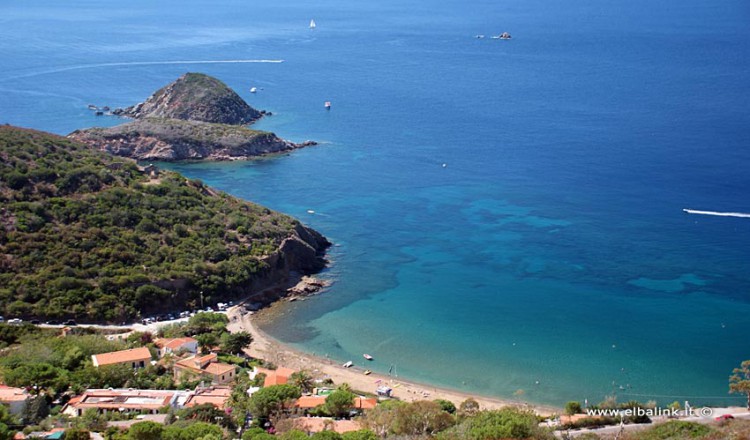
point(507, 215)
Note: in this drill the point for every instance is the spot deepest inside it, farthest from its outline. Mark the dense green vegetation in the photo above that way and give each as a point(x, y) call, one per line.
point(47, 363)
point(86, 235)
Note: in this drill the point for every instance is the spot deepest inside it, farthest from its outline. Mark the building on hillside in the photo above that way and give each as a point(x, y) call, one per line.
point(14, 398)
point(217, 396)
point(176, 346)
point(278, 376)
point(125, 401)
point(204, 366)
point(134, 358)
point(311, 425)
point(360, 403)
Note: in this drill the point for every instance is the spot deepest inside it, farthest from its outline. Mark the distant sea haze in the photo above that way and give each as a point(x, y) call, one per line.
point(552, 258)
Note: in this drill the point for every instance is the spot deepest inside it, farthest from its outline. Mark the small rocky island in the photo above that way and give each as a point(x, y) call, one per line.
point(194, 118)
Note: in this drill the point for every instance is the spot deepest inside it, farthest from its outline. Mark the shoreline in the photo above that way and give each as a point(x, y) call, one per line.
point(280, 354)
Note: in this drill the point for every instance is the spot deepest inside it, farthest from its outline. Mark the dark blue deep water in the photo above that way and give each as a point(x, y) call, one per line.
point(549, 259)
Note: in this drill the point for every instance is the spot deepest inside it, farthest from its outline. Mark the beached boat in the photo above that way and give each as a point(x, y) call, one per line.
point(312, 24)
point(367, 356)
point(367, 372)
point(348, 364)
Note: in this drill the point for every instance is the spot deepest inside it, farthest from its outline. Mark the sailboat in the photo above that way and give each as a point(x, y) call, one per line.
point(312, 24)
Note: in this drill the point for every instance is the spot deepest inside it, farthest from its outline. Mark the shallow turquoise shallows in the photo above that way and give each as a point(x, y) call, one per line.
point(508, 214)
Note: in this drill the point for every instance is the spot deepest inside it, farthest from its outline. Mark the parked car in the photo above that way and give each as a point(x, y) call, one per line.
point(15, 321)
point(35, 321)
point(2, 319)
point(725, 417)
point(52, 322)
point(70, 322)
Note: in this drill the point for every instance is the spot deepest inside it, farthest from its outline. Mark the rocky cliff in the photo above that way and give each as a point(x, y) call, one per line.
point(160, 139)
point(195, 97)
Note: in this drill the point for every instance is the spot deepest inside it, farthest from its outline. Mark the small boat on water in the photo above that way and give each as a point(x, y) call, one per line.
point(503, 36)
point(312, 24)
point(253, 89)
point(348, 364)
point(105, 108)
point(367, 356)
point(93, 107)
point(327, 105)
point(310, 211)
point(479, 36)
point(99, 113)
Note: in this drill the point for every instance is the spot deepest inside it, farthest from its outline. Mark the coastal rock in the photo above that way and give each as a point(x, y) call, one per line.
point(160, 139)
point(195, 97)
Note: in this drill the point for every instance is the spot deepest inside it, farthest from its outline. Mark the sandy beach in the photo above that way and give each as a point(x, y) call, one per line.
point(267, 348)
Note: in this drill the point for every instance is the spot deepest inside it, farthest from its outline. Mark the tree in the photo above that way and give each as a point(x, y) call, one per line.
point(234, 342)
point(421, 418)
point(190, 431)
point(573, 407)
point(446, 405)
point(468, 408)
point(340, 402)
point(326, 435)
point(294, 434)
point(145, 431)
point(739, 381)
point(302, 380)
point(506, 423)
point(268, 400)
point(35, 410)
point(76, 434)
point(257, 434)
point(362, 434)
point(206, 341)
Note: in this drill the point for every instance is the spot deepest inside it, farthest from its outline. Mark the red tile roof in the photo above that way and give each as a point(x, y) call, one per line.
point(174, 343)
point(217, 396)
point(310, 401)
point(278, 376)
point(317, 424)
point(122, 356)
point(10, 394)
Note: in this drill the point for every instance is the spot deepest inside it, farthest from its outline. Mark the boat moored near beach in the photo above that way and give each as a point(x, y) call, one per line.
point(367, 356)
point(348, 364)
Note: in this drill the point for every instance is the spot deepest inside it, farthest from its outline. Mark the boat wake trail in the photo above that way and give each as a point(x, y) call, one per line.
point(718, 214)
point(139, 63)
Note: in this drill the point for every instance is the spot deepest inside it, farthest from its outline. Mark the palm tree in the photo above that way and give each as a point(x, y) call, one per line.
point(302, 380)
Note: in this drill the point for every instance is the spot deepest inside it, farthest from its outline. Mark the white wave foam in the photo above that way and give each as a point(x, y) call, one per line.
point(718, 214)
point(138, 63)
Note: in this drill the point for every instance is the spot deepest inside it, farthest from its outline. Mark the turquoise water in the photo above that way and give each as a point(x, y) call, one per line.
point(550, 258)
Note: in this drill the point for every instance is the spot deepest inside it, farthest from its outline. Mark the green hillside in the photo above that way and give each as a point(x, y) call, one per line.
point(87, 235)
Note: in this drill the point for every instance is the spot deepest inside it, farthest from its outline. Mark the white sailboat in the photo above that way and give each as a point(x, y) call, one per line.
point(312, 24)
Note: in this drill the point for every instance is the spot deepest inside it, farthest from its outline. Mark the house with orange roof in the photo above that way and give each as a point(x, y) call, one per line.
point(216, 396)
point(311, 425)
point(204, 366)
point(14, 398)
point(176, 345)
point(125, 400)
point(278, 376)
point(359, 404)
point(309, 402)
point(134, 358)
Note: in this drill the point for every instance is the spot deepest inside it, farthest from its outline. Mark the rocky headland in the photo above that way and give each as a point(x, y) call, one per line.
point(196, 117)
point(163, 139)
